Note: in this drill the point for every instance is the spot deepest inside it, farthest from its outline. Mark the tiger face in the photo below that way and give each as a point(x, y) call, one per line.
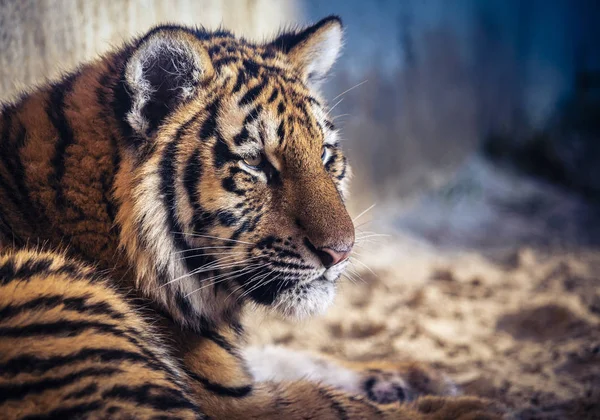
point(236, 178)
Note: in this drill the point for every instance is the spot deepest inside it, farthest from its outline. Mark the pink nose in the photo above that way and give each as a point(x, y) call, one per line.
point(330, 257)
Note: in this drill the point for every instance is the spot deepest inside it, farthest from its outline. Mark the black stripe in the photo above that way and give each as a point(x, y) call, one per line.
point(74, 328)
point(63, 327)
point(9, 155)
point(252, 67)
point(253, 93)
point(342, 414)
point(342, 175)
point(220, 341)
point(41, 266)
point(76, 304)
point(241, 79)
point(242, 137)
point(32, 267)
point(121, 102)
point(280, 108)
point(225, 391)
point(273, 96)
point(168, 173)
point(209, 126)
point(18, 391)
point(158, 397)
point(41, 365)
point(225, 61)
point(242, 229)
point(56, 113)
point(167, 188)
point(222, 154)
point(84, 392)
point(17, 170)
point(281, 132)
point(72, 412)
point(191, 179)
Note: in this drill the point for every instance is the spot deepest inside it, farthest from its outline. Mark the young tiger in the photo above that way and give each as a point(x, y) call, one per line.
point(145, 199)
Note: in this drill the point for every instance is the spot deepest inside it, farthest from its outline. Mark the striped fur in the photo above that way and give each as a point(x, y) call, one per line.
point(198, 172)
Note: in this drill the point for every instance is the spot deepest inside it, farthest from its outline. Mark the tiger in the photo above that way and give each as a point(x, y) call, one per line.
point(151, 196)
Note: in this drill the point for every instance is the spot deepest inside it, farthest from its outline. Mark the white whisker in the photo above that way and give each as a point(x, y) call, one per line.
point(228, 276)
point(352, 259)
point(202, 248)
point(363, 212)
point(209, 267)
point(353, 87)
point(213, 237)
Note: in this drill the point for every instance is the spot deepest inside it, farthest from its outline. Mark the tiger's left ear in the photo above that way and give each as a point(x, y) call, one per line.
point(165, 70)
point(314, 49)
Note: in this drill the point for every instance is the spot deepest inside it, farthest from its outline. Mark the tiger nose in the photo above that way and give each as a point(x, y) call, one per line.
point(330, 257)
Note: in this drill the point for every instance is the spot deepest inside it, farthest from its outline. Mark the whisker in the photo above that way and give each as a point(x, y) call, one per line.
point(202, 248)
point(362, 224)
point(259, 284)
point(353, 87)
point(339, 116)
point(231, 255)
point(208, 267)
point(374, 235)
point(352, 259)
point(256, 279)
point(363, 212)
point(347, 275)
point(227, 276)
point(213, 237)
point(336, 104)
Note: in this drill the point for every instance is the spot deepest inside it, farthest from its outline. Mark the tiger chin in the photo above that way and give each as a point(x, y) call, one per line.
point(169, 183)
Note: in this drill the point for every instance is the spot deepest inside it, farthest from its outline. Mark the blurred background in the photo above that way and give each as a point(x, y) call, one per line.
point(473, 127)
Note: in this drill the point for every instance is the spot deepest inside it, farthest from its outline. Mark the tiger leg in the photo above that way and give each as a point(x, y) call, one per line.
point(71, 347)
point(226, 387)
point(380, 382)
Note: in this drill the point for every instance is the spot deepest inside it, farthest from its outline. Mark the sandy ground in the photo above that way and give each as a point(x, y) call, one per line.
point(523, 328)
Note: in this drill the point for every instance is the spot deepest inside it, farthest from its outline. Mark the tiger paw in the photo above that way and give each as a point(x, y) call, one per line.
point(459, 408)
point(385, 383)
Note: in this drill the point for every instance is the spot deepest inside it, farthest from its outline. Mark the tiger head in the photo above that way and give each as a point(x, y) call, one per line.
point(233, 189)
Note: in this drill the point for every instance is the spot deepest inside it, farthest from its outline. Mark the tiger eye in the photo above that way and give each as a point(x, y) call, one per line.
point(253, 161)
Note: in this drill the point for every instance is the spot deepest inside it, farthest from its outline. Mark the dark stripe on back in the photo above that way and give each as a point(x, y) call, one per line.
point(85, 392)
point(9, 155)
point(157, 397)
point(18, 391)
point(56, 113)
point(63, 327)
point(72, 412)
point(38, 266)
point(76, 304)
point(41, 365)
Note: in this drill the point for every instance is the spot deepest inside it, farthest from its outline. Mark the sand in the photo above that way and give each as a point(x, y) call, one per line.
point(522, 328)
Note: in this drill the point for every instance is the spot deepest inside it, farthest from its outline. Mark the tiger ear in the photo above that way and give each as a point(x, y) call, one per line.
point(166, 69)
point(314, 49)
